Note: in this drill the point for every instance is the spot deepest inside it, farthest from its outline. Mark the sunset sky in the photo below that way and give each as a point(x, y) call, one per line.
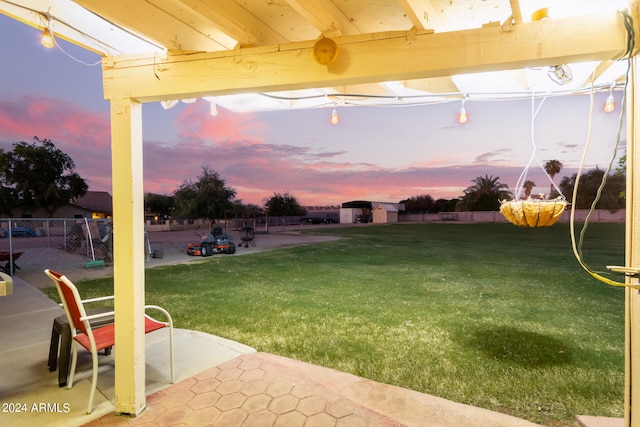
point(374, 153)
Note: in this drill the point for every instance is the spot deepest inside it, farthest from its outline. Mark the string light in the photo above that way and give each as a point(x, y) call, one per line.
point(462, 114)
point(334, 117)
point(610, 103)
point(370, 100)
point(47, 39)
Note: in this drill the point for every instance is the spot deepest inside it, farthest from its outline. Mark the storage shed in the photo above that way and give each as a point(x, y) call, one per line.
point(385, 213)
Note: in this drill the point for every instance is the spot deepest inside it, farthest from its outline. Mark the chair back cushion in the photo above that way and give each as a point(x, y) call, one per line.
point(70, 299)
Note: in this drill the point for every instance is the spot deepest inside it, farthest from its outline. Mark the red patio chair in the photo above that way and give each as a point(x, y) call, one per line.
point(100, 338)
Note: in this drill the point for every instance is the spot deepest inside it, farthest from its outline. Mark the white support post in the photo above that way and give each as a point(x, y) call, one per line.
point(128, 250)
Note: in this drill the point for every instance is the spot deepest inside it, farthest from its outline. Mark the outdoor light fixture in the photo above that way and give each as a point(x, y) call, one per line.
point(540, 14)
point(173, 102)
point(334, 117)
point(325, 51)
point(462, 114)
point(169, 104)
point(610, 103)
point(561, 74)
point(47, 39)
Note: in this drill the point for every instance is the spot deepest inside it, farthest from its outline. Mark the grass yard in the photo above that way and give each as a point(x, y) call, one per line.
point(490, 315)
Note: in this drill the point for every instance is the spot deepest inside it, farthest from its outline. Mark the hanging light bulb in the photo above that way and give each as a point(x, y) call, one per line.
point(334, 117)
point(47, 39)
point(610, 103)
point(462, 114)
point(214, 109)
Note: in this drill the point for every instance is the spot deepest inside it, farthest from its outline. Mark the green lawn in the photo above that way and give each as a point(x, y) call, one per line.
point(490, 315)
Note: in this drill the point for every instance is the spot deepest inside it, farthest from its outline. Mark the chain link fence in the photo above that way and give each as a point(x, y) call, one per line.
point(89, 238)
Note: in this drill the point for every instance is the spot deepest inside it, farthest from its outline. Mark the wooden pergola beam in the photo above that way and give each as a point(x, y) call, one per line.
point(366, 59)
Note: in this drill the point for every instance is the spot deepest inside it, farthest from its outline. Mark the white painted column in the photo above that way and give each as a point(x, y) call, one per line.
point(128, 251)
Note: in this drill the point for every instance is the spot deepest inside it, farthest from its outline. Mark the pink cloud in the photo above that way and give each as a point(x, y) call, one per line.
point(83, 134)
point(53, 119)
point(234, 146)
point(257, 170)
point(49, 119)
point(195, 122)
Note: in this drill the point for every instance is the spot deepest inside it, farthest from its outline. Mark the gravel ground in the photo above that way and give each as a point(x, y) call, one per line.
point(34, 261)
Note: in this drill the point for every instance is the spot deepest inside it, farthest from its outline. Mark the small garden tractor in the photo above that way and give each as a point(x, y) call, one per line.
point(214, 242)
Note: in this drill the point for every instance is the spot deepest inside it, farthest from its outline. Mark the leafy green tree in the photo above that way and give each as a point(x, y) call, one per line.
point(284, 205)
point(252, 208)
point(588, 187)
point(418, 204)
point(444, 205)
point(7, 200)
point(552, 167)
point(206, 198)
point(622, 165)
point(37, 175)
point(484, 195)
point(239, 207)
point(159, 204)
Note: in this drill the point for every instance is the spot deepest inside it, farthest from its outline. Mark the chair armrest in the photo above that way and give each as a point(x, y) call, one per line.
point(107, 298)
point(98, 316)
point(161, 310)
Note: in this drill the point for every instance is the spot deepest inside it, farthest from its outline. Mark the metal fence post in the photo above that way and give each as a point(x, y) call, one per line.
point(10, 249)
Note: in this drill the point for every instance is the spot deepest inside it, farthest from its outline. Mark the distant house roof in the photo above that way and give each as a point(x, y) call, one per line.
point(371, 205)
point(387, 207)
point(356, 204)
point(97, 201)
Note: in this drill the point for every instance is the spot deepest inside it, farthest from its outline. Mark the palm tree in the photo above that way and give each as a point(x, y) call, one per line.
point(552, 167)
point(528, 186)
point(484, 195)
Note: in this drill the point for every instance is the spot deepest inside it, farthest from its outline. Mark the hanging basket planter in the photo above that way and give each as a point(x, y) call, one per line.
point(533, 212)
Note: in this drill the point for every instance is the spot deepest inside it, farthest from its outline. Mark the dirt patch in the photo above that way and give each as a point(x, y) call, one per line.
point(172, 244)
